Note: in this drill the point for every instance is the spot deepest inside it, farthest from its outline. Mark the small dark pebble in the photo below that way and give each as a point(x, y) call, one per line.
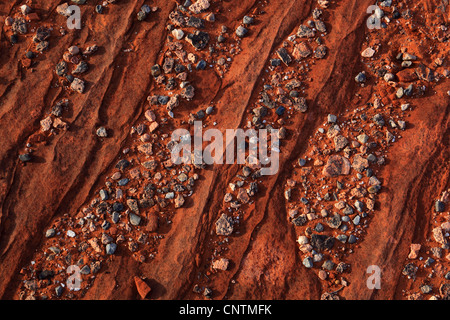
point(14, 39)
point(201, 65)
point(30, 55)
point(59, 291)
point(280, 110)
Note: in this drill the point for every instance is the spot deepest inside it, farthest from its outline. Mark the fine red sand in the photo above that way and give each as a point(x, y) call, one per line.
point(171, 254)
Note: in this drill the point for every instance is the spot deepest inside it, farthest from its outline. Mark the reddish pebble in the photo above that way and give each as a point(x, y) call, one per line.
point(33, 16)
point(322, 275)
point(150, 115)
point(152, 224)
point(153, 126)
point(9, 21)
point(142, 287)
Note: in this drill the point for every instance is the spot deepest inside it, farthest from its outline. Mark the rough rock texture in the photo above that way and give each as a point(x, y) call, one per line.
point(66, 168)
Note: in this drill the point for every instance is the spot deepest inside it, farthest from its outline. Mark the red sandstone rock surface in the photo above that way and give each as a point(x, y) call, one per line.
point(86, 178)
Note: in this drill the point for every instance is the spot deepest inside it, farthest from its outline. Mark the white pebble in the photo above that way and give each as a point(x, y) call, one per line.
point(302, 240)
point(178, 34)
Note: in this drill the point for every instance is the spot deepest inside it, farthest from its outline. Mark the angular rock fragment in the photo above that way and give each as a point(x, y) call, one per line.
point(340, 142)
point(179, 201)
point(94, 244)
point(320, 52)
point(178, 34)
point(50, 233)
point(415, 248)
point(336, 166)
point(146, 148)
point(425, 73)
point(300, 104)
point(46, 124)
point(133, 205)
point(155, 70)
point(188, 92)
point(63, 9)
point(241, 31)
point(153, 126)
point(199, 6)
point(19, 26)
point(335, 221)
point(305, 32)
point(321, 242)
point(177, 18)
point(221, 264)
point(300, 220)
point(142, 287)
point(224, 225)
point(42, 46)
point(150, 165)
point(81, 67)
point(308, 262)
point(320, 26)
point(410, 270)
point(77, 85)
point(248, 20)
point(439, 236)
point(198, 39)
point(361, 77)
point(61, 68)
point(284, 56)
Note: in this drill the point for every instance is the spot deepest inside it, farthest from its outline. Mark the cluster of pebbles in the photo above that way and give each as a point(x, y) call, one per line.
point(133, 210)
point(281, 97)
point(428, 264)
point(21, 24)
point(332, 192)
point(72, 65)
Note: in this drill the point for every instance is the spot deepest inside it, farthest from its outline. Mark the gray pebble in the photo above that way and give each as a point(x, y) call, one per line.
point(361, 77)
point(351, 239)
point(135, 220)
point(50, 233)
point(209, 110)
point(241, 31)
point(111, 248)
point(59, 291)
point(307, 262)
point(248, 20)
